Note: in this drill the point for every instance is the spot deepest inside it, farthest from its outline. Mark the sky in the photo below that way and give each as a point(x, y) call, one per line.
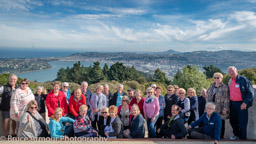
point(128, 25)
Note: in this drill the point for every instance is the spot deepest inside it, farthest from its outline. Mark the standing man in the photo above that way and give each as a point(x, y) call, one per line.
point(7, 91)
point(241, 97)
point(117, 97)
point(130, 94)
point(87, 93)
point(107, 93)
point(170, 99)
point(202, 102)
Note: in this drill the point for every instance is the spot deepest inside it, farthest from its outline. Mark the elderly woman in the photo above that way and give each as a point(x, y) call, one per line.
point(55, 99)
point(66, 91)
point(104, 120)
point(31, 123)
point(139, 100)
point(82, 124)
point(193, 105)
point(218, 93)
point(97, 103)
point(124, 112)
point(75, 102)
point(40, 98)
point(115, 128)
point(151, 111)
point(57, 129)
point(183, 103)
point(137, 129)
point(22, 96)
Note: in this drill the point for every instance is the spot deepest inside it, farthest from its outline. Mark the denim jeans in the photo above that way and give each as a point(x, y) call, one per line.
point(151, 127)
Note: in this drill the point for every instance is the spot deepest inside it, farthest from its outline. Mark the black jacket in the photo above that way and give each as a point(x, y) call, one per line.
point(40, 102)
point(114, 98)
point(173, 99)
point(101, 125)
point(6, 97)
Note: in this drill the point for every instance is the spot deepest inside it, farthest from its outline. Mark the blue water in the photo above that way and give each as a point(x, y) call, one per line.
point(51, 74)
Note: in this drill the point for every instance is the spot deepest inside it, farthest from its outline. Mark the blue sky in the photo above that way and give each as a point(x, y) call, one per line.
point(128, 25)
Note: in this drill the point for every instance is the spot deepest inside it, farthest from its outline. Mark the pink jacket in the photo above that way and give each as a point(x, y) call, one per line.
point(151, 109)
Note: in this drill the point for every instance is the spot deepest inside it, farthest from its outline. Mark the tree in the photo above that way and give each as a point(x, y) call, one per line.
point(210, 70)
point(117, 72)
point(191, 77)
point(105, 70)
point(95, 73)
point(62, 75)
point(159, 76)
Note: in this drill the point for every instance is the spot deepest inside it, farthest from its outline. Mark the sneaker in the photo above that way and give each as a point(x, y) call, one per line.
point(234, 138)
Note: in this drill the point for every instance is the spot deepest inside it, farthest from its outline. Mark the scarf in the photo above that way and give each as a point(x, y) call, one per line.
point(170, 121)
point(150, 99)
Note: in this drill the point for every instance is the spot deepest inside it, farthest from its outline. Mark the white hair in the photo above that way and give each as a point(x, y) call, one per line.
point(12, 76)
point(211, 103)
point(40, 87)
point(232, 67)
point(203, 90)
point(84, 83)
point(65, 84)
point(106, 85)
point(121, 85)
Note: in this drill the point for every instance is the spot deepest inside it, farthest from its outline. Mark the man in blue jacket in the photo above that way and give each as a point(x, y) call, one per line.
point(241, 97)
point(211, 123)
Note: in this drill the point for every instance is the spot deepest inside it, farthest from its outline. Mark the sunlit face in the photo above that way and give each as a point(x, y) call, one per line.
point(170, 91)
point(84, 87)
point(150, 93)
point(181, 93)
point(158, 91)
point(204, 93)
point(209, 109)
point(124, 101)
point(112, 113)
point(217, 79)
point(104, 114)
point(64, 88)
point(58, 115)
point(175, 112)
point(190, 93)
point(134, 112)
point(106, 89)
point(56, 87)
point(130, 93)
point(24, 85)
point(12, 80)
point(78, 93)
point(99, 90)
point(32, 108)
point(137, 94)
point(83, 112)
point(39, 91)
point(120, 88)
point(233, 73)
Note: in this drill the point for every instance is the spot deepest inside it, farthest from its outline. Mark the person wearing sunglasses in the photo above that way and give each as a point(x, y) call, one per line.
point(104, 120)
point(124, 112)
point(218, 93)
point(22, 96)
point(32, 123)
point(184, 104)
point(170, 99)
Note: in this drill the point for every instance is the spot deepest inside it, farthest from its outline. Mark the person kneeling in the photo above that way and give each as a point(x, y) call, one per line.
point(82, 124)
point(57, 129)
point(173, 128)
point(211, 123)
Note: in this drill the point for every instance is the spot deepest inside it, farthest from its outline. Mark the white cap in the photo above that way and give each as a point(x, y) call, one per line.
point(65, 84)
point(153, 85)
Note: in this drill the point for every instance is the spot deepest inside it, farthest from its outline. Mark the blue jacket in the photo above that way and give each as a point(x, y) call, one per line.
point(211, 127)
point(246, 89)
point(55, 127)
point(67, 96)
point(194, 108)
point(137, 129)
point(161, 101)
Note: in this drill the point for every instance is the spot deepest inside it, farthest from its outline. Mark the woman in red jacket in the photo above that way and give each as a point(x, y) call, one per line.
point(55, 99)
point(139, 100)
point(75, 102)
point(124, 112)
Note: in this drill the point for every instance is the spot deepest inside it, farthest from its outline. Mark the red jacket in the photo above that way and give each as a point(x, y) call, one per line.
point(140, 104)
point(75, 105)
point(52, 103)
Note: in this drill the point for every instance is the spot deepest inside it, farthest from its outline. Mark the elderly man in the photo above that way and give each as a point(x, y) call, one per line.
point(107, 93)
point(173, 128)
point(130, 93)
point(117, 97)
point(211, 123)
point(75, 102)
point(202, 102)
point(87, 93)
point(170, 99)
point(241, 97)
point(7, 91)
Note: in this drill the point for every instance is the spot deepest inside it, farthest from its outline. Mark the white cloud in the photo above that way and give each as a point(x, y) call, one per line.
point(24, 5)
point(62, 2)
point(119, 11)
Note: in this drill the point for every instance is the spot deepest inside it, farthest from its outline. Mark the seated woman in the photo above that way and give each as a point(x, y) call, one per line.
point(115, 128)
point(57, 129)
point(137, 129)
point(104, 120)
point(124, 112)
point(31, 123)
point(82, 124)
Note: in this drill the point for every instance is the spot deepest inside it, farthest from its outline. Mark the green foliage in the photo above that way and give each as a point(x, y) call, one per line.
point(4, 79)
point(250, 74)
point(191, 77)
point(210, 70)
point(105, 70)
point(117, 72)
point(95, 73)
point(159, 76)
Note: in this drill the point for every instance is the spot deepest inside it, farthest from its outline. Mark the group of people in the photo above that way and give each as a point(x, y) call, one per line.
point(118, 115)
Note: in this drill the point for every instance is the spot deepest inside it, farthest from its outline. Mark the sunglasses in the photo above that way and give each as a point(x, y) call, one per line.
point(33, 107)
point(24, 83)
point(181, 93)
point(169, 90)
point(150, 92)
point(104, 112)
point(216, 77)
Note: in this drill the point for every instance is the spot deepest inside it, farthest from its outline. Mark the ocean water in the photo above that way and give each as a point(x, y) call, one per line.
point(51, 74)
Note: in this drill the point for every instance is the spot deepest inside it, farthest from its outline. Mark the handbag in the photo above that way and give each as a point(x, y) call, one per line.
point(44, 132)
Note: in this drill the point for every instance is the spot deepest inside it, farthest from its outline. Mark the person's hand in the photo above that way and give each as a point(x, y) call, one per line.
point(216, 142)
point(168, 116)
point(158, 130)
point(97, 110)
point(28, 117)
point(94, 131)
point(145, 117)
point(106, 133)
point(153, 119)
point(224, 112)
point(173, 136)
point(188, 127)
point(127, 132)
point(243, 106)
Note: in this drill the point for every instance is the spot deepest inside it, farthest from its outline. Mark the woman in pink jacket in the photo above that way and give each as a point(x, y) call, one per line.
point(151, 111)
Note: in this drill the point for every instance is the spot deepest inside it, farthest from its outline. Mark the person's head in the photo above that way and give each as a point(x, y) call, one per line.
point(78, 93)
point(181, 92)
point(150, 91)
point(153, 86)
point(175, 110)
point(104, 112)
point(135, 110)
point(120, 88)
point(83, 110)
point(39, 90)
point(210, 108)
point(32, 106)
point(138, 93)
point(176, 87)
point(158, 91)
point(84, 86)
point(170, 89)
point(125, 100)
point(65, 86)
point(113, 111)
point(232, 72)
point(56, 86)
point(130, 92)
point(24, 83)
point(99, 89)
point(191, 92)
point(13, 79)
point(218, 77)
point(106, 88)
point(204, 92)
point(58, 113)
